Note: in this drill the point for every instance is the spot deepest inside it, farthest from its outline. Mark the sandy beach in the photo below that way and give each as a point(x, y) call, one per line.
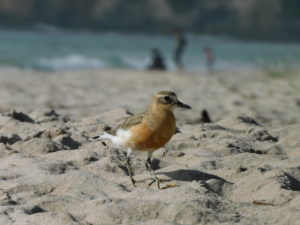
point(243, 168)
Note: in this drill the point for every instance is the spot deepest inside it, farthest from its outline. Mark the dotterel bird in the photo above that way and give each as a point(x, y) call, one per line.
point(149, 130)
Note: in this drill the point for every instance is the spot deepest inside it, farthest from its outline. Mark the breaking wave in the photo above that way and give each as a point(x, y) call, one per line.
point(69, 62)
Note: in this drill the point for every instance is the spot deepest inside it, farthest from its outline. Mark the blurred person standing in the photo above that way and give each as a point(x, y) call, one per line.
point(209, 59)
point(180, 45)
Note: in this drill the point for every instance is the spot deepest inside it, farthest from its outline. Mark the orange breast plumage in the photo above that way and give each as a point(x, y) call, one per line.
point(149, 137)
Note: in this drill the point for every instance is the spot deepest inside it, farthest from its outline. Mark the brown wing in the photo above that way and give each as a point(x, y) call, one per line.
point(129, 122)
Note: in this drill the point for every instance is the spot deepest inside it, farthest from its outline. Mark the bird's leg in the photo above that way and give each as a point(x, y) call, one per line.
point(149, 165)
point(128, 167)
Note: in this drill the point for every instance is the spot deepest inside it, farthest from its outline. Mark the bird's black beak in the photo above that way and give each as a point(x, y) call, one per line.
point(182, 105)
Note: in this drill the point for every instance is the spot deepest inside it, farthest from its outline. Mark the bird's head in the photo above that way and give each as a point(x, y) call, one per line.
point(168, 100)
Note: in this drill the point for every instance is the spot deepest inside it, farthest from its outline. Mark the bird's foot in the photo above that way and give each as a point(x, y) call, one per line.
point(153, 181)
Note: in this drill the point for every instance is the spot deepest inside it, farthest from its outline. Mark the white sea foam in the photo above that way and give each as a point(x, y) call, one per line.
point(68, 62)
point(136, 62)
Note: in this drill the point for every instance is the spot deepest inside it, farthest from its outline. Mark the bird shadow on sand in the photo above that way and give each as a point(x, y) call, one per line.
point(185, 174)
point(191, 175)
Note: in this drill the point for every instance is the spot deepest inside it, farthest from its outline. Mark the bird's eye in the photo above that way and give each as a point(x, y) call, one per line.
point(167, 99)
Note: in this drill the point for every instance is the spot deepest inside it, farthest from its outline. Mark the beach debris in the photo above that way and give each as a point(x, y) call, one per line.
point(22, 117)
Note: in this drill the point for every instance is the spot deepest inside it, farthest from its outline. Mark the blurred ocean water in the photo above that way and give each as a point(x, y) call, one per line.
point(53, 49)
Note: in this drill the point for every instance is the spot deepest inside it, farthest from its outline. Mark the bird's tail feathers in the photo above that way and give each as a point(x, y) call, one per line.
point(105, 136)
point(121, 137)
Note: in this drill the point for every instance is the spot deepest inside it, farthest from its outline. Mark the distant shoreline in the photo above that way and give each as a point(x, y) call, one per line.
point(60, 51)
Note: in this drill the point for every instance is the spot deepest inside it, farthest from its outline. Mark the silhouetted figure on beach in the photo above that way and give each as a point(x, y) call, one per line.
point(180, 44)
point(209, 59)
point(157, 61)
